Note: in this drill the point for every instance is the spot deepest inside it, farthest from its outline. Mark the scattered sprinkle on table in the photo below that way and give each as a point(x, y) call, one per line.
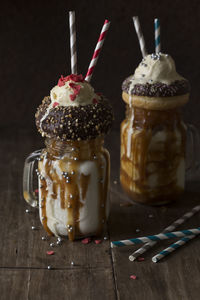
point(151, 216)
point(133, 277)
point(140, 258)
point(86, 241)
point(50, 252)
point(98, 241)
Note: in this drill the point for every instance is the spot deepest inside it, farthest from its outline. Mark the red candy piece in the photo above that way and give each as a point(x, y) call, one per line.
point(76, 78)
point(61, 81)
point(55, 104)
point(73, 77)
point(140, 259)
point(76, 89)
point(86, 241)
point(72, 97)
point(36, 191)
point(95, 101)
point(98, 241)
point(133, 277)
point(50, 252)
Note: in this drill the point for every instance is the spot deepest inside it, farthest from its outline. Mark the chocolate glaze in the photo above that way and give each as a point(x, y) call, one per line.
point(158, 89)
point(75, 122)
point(164, 160)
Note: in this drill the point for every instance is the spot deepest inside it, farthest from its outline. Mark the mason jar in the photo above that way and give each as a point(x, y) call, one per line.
point(73, 185)
point(153, 152)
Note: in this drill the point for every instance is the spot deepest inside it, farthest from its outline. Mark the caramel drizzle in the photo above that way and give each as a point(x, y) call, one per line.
point(44, 193)
point(147, 122)
point(77, 186)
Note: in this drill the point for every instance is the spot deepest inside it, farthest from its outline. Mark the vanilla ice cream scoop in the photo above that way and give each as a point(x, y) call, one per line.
point(73, 111)
point(156, 68)
point(156, 76)
point(73, 90)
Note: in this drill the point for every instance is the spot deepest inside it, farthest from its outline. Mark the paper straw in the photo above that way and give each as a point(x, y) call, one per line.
point(157, 35)
point(140, 35)
point(157, 237)
point(97, 50)
point(174, 225)
point(72, 29)
point(172, 248)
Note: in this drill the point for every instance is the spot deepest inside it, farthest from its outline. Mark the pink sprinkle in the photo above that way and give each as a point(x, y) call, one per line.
point(72, 97)
point(55, 104)
point(86, 240)
point(36, 191)
point(98, 241)
point(94, 101)
point(61, 81)
point(50, 252)
point(133, 277)
point(140, 258)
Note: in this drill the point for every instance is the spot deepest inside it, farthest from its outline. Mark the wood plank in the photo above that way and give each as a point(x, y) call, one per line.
point(72, 283)
point(176, 276)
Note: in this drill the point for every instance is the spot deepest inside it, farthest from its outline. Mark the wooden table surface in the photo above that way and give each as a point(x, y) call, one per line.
point(99, 272)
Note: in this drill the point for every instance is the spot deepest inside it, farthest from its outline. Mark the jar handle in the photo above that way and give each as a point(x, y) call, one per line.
point(192, 151)
point(28, 191)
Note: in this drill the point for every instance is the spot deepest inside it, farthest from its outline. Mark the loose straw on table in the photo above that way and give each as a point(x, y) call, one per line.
point(157, 237)
point(140, 35)
point(73, 50)
point(174, 225)
point(97, 50)
point(172, 248)
point(157, 35)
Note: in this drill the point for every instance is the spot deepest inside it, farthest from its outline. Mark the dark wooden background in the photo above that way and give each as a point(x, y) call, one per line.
point(34, 51)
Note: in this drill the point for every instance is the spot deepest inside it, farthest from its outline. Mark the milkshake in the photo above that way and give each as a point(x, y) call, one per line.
point(74, 168)
point(153, 134)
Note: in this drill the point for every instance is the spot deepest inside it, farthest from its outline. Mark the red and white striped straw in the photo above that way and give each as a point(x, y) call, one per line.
point(97, 50)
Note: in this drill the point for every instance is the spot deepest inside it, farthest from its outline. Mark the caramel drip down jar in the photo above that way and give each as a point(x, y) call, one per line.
point(73, 184)
point(153, 145)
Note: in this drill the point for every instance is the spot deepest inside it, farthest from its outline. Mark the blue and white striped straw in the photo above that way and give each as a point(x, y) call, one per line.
point(172, 248)
point(157, 35)
point(170, 228)
point(157, 237)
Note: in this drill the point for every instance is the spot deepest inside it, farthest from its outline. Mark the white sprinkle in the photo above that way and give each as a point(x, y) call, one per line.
point(151, 216)
point(27, 211)
point(51, 244)
point(137, 230)
point(33, 227)
point(44, 238)
point(49, 267)
point(115, 181)
point(72, 263)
